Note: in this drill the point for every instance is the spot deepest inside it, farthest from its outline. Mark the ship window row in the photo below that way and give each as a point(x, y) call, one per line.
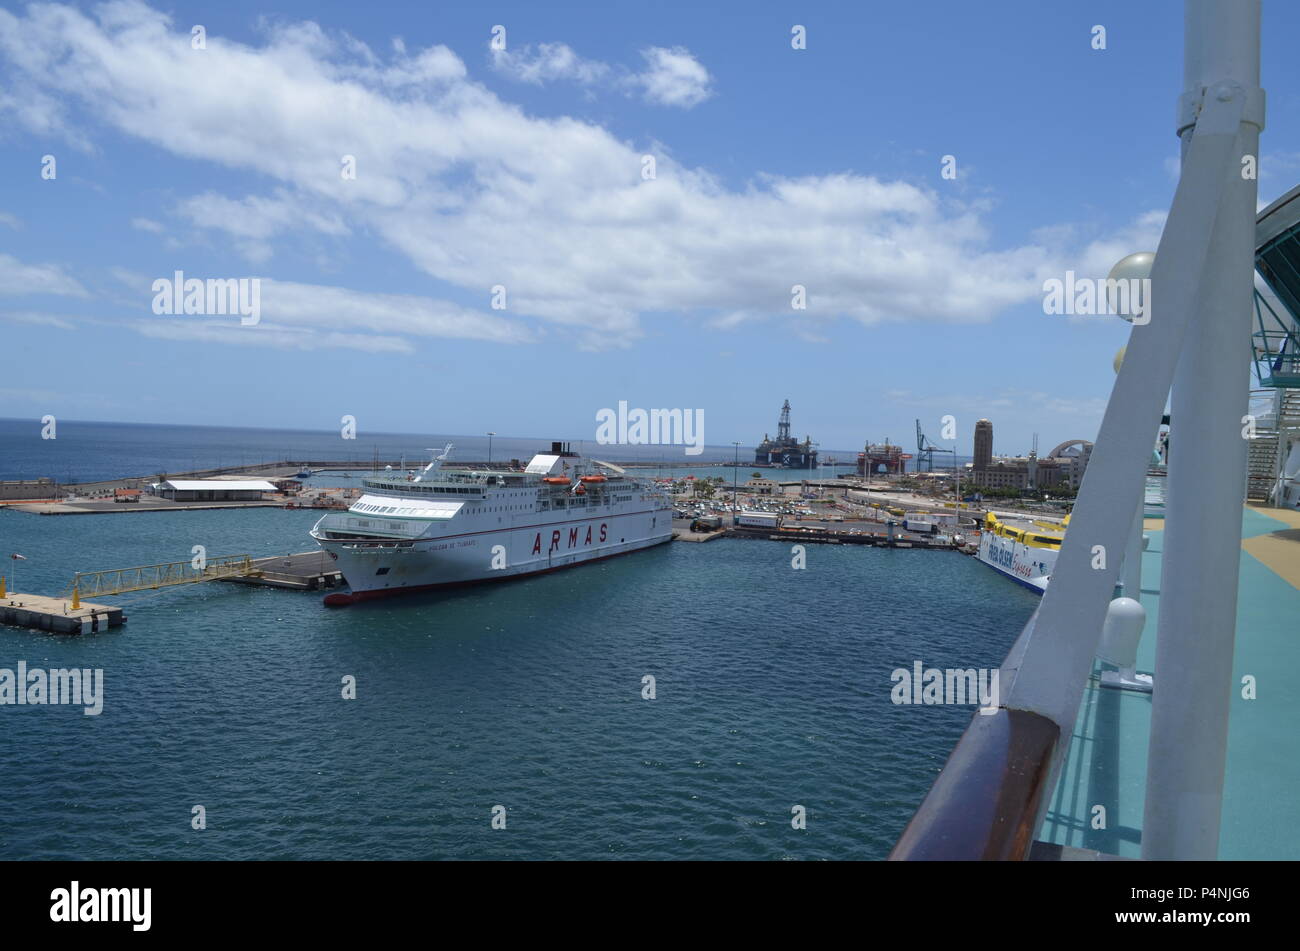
point(394, 510)
point(437, 489)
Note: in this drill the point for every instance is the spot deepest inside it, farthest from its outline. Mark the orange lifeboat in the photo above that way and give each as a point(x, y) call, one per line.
point(594, 478)
point(556, 480)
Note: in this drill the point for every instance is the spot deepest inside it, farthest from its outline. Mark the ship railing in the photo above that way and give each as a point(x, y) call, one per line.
point(369, 543)
point(992, 795)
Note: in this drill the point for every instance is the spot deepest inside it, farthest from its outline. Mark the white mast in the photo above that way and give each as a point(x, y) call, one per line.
point(436, 463)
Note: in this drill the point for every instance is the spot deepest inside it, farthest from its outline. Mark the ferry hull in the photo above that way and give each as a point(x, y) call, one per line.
point(344, 598)
point(1030, 567)
point(375, 569)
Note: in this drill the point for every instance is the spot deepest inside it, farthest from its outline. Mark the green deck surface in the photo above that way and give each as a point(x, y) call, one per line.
point(1108, 752)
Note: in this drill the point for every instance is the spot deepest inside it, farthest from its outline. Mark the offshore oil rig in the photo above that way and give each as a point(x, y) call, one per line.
point(784, 451)
point(882, 457)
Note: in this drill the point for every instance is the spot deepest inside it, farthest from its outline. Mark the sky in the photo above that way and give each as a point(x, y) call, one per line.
point(453, 237)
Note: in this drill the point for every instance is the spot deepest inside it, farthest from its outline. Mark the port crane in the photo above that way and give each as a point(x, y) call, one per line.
point(925, 450)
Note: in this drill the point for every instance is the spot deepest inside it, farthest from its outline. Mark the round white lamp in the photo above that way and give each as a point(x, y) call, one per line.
point(1135, 267)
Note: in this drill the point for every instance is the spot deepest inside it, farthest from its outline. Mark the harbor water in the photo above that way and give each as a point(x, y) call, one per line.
point(771, 691)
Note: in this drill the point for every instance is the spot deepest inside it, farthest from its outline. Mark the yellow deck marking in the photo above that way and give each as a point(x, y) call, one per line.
point(1279, 550)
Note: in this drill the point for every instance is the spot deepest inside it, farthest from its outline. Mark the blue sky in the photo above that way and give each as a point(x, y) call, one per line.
point(522, 167)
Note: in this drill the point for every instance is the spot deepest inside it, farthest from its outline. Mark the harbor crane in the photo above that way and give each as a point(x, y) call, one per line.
point(925, 450)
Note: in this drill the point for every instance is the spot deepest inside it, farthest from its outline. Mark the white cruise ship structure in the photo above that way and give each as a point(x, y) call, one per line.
point(445, 527)
point(1127, 725)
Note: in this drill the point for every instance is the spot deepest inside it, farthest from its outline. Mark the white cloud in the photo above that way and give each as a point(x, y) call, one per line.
point(546, 63)
point(474, 192)
point(37, 318)
point(254, 219)
point(1100, 255)
point(348, 311)
point(673, 77)
point(147, 224)
point(304, 316)
point(130, 278)
point(19, 278)
point(266, 335)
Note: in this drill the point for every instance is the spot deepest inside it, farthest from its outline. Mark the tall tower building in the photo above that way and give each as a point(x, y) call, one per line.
point(983, 444)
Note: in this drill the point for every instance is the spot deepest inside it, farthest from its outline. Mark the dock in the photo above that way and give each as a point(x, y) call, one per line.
point(303, 571)
point(800, 536)
point(682, 532)
point(147, 504)
point(57, 615)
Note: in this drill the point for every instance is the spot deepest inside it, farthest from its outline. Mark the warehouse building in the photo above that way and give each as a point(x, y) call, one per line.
point(213, 490)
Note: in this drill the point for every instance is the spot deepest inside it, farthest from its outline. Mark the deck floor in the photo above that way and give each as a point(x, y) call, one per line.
point(1108, 751)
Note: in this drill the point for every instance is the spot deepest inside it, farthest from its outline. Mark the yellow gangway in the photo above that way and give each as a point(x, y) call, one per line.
point(99, 584)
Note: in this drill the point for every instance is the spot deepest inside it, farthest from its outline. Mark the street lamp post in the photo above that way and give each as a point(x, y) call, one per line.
point(735, 481)
point(813, 447)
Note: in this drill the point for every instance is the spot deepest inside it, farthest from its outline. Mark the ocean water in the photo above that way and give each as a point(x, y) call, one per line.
point(89, 451)
point(772, 690)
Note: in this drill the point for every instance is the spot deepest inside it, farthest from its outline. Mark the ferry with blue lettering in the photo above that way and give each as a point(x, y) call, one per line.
point(1022, 547)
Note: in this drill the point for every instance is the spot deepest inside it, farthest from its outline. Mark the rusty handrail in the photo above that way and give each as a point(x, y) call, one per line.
point(986, 802)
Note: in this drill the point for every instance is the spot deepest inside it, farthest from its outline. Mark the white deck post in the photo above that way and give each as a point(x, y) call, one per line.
point(1131, 575)
point(1207, 467)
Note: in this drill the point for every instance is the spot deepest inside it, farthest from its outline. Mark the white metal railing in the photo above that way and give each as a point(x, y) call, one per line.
point(991, 796)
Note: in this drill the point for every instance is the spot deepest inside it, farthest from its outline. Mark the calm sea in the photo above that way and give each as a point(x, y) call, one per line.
point(88, 451)
point(772, 691)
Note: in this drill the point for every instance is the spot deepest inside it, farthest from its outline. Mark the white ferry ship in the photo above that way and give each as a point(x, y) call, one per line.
point(445, 527)
point(1022, 547)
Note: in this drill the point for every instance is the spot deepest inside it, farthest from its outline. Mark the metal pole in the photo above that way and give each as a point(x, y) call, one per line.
point(1131, 577)
point(1207, 466)
point(735, 470)
point(1061, 640)
point(489, 436)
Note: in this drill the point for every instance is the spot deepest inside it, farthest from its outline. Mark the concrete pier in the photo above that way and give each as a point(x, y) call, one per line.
point(57, 615)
